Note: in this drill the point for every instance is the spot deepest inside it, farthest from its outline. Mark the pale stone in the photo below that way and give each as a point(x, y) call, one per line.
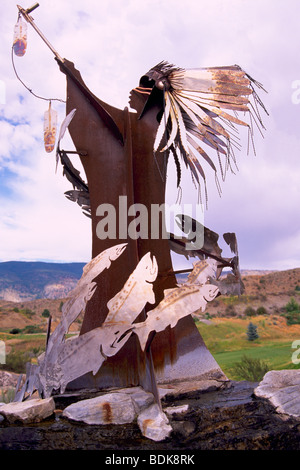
point(282, 389)
point(140, 397)
point(29, 411)
point(154, 424)
point(8, 379)
point(111, 408)
point(205, 384)
point(176, 409)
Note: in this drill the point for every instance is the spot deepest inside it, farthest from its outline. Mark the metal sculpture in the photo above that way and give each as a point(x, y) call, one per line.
point(65, 361)
point(178, 112)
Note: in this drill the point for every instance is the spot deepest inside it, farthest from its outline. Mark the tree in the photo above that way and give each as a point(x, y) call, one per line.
point(46, 313)
point(251, 332)
point(292, 314)
point(292, 306)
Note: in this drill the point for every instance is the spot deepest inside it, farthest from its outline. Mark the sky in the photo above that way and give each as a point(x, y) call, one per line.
point(113, 43)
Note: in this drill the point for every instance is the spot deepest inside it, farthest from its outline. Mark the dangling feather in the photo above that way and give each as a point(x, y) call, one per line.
point(201, 109)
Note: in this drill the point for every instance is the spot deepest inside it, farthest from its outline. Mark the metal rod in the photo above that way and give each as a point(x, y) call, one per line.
point(29, 10)
point(149, 365)
point(81, 153)
point(29, 19)
point(181, 271)
point(48, 330)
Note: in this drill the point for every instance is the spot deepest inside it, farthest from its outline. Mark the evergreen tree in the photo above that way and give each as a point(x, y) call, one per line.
point(251, 332)
point(46, 313)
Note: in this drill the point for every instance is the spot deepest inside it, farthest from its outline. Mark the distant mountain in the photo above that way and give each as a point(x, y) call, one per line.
point(24, 281)
point(182, 277)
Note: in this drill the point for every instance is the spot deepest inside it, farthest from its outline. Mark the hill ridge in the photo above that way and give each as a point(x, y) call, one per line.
point(29, 280)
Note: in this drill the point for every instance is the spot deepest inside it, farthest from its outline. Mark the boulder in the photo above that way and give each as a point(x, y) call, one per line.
point(154, 424)
point(111, 408)
point(30, 411)
point(141, 398)
point(231, 418)
point(282, 389)
point(170, 410)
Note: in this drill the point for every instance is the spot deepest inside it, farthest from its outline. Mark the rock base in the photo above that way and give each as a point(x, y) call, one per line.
point(232, 418)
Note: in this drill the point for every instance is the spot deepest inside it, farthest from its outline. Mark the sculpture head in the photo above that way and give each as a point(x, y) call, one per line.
point(150, 92)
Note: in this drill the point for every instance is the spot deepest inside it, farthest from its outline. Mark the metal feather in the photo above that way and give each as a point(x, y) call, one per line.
point(197, 112)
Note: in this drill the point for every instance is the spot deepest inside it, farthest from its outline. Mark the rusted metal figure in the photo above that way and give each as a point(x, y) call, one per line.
point(124, 153)
point(119, 161)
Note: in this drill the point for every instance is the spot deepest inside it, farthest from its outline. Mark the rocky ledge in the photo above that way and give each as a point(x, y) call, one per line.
point(239, 416)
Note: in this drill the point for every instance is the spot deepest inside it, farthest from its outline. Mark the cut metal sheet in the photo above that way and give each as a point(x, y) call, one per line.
point(177, 304)
point(66, 361)
point(83, 291)
point(137, 291)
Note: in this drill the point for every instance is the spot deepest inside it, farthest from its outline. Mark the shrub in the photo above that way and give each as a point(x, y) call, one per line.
point(249, 312)
point(8, 395)
point(292, 318)
point(37, 351)
point(261, 311)
point(16, 362)
point(31, 329)
point(230, 310)
point(28, 312)
point(292, 306)
point(15, 331)
point(252, 332)
point(250, 369)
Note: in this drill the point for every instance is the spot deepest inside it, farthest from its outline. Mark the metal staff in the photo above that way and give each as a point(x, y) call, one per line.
point(29, 19)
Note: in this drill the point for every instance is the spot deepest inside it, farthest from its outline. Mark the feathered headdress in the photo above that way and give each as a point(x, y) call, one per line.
point(201, 106)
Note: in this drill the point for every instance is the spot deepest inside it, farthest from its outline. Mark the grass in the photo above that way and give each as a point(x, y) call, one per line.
point(7, 396)
point(21, 348)
point(226, 339)
point(276, 355)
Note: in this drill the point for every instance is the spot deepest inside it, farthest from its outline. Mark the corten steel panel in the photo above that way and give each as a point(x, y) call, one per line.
point(120, 162)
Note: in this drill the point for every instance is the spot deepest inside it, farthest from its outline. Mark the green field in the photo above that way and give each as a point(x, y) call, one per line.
point(226, 339)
